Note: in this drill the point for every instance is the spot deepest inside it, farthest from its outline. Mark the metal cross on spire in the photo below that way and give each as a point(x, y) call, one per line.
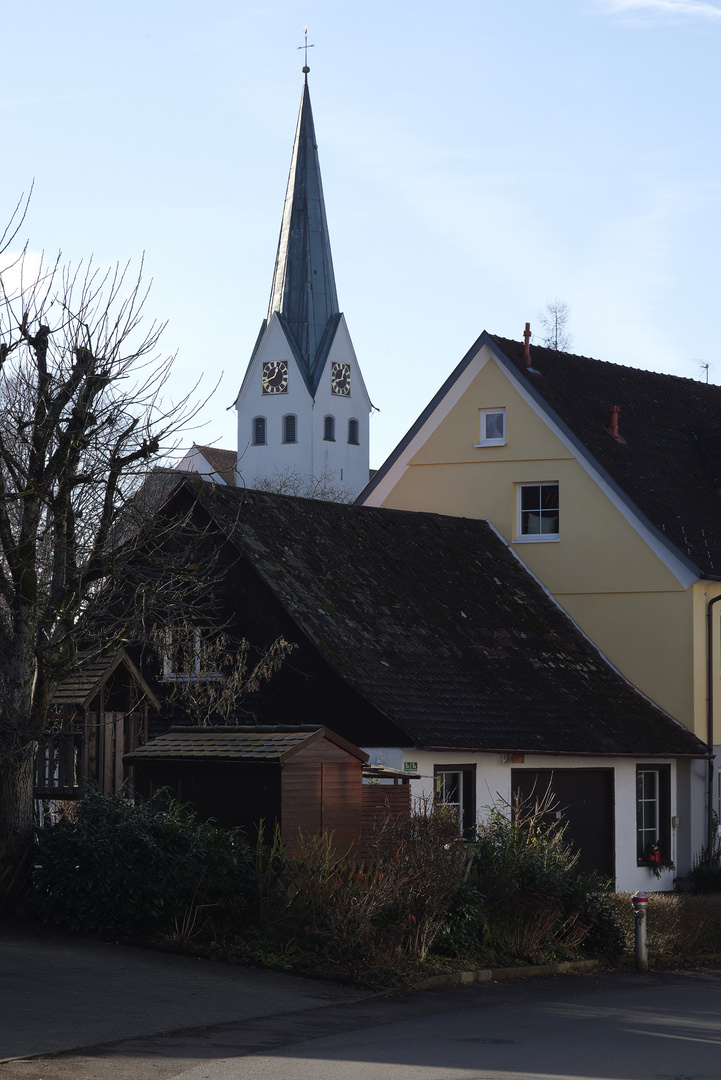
point(306, 46)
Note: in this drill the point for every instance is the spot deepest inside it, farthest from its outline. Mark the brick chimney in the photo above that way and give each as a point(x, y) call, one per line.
point(527, 344)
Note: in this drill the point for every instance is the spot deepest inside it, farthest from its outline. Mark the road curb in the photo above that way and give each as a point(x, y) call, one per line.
point(484, 975)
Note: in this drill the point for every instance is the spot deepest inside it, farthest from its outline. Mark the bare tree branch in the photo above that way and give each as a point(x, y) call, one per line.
point(83, 418)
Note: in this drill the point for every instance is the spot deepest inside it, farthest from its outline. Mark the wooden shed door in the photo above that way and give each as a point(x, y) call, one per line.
point(585, 803)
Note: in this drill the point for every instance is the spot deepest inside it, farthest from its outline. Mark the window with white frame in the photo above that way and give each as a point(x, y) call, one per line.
point(329, 428)
point(538, 512)
point(259, 431)
point(290, 428)
point(353, 431)
point(455, 788)
point(190, 654)
point(181, 655)
point(653, 811)
point(493, 427)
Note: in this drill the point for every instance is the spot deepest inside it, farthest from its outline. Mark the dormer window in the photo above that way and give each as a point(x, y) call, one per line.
point(493, 427)
point(329, 428)
point(290, 429)
point(259, 431)
point(353, 432)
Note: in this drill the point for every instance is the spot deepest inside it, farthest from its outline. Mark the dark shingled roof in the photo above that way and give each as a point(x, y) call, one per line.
point(259, 743)
point(81, 687)
point(669, 464)
point(438, 625)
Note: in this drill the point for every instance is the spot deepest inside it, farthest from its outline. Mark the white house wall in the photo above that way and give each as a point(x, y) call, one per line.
point(493, 787)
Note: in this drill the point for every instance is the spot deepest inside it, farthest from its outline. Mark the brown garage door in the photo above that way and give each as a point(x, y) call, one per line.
point(585, 802)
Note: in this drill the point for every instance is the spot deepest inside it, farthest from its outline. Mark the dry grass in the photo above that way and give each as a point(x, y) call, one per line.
point(678, 924)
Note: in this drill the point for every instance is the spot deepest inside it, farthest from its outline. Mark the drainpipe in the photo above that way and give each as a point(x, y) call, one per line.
point(709, 722)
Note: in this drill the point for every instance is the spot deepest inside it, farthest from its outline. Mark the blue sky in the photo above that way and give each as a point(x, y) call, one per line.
point(478, 160)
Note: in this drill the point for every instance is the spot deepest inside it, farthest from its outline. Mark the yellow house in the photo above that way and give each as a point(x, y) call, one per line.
point(606, 482)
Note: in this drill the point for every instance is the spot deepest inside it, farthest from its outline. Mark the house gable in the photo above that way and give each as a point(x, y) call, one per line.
point(447, 433)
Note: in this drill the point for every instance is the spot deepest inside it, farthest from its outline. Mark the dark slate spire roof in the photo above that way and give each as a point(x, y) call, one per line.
point(303, 291)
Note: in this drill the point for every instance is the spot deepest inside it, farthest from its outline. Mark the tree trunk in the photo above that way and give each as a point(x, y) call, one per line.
point(16, 798)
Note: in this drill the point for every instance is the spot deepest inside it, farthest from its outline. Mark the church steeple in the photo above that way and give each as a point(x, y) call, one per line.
point(303, 289)
point(303, 407)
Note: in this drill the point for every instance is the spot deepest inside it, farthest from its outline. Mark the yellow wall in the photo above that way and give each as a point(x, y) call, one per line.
point(601, 570)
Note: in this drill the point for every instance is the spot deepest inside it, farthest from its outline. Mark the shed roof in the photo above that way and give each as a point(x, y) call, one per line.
point(438, 626)
point(82, 685)
point(260, 743)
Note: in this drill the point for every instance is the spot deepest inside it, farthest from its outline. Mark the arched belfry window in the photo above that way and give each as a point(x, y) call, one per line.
point(329, 428)
point(353, 431)
point(259, 431)
point(290, 428)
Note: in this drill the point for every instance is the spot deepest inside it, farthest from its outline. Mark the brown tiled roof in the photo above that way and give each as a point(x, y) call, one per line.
point(669, 464)
point(222, 462)
point(438, 626)
point(260, 743)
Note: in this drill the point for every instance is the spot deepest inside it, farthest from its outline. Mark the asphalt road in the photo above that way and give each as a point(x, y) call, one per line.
point(601, 1025)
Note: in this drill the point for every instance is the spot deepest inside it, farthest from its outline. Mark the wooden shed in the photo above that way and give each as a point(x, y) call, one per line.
point(98, 714)
point(303, 777)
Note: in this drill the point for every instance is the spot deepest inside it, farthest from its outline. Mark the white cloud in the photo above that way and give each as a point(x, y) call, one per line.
point(673, 9)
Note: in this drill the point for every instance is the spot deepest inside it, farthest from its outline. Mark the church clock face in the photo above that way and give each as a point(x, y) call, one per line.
point(340, 379)
point(275, 377)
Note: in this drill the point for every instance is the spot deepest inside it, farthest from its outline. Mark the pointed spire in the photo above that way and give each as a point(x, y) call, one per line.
point(303, 282)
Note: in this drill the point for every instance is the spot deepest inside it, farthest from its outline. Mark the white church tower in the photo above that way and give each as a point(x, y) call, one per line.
point(303, 409)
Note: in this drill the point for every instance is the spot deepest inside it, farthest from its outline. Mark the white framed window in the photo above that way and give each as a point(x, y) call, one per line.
point(259, 431)
point(181, 656)
point(188, 656)
point(537, 512)
point(329, 428)
point(353, 431)
point(492, 427)
point(647, 809)
point(653, 811)
point(455, 788)
point(290, 428)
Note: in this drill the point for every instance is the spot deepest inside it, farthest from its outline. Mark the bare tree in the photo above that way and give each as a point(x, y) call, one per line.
point(81, 422)
point(554, 320)
point(291, 481)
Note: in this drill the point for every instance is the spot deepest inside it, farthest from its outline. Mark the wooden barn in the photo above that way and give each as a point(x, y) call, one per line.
point(305, 777)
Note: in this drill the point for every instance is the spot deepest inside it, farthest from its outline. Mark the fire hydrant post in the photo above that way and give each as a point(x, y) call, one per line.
point(640, 907)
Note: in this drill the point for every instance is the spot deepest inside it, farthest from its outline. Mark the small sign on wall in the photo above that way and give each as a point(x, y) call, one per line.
point(410, 766)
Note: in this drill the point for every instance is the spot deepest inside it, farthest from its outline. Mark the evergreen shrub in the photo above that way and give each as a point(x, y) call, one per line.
point(122, 869)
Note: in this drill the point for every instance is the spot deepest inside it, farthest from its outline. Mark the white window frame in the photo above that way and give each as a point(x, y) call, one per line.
point(169, 659)
point(648, 809)
point(169, 672)
point(535, 538)
point(484, 440)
